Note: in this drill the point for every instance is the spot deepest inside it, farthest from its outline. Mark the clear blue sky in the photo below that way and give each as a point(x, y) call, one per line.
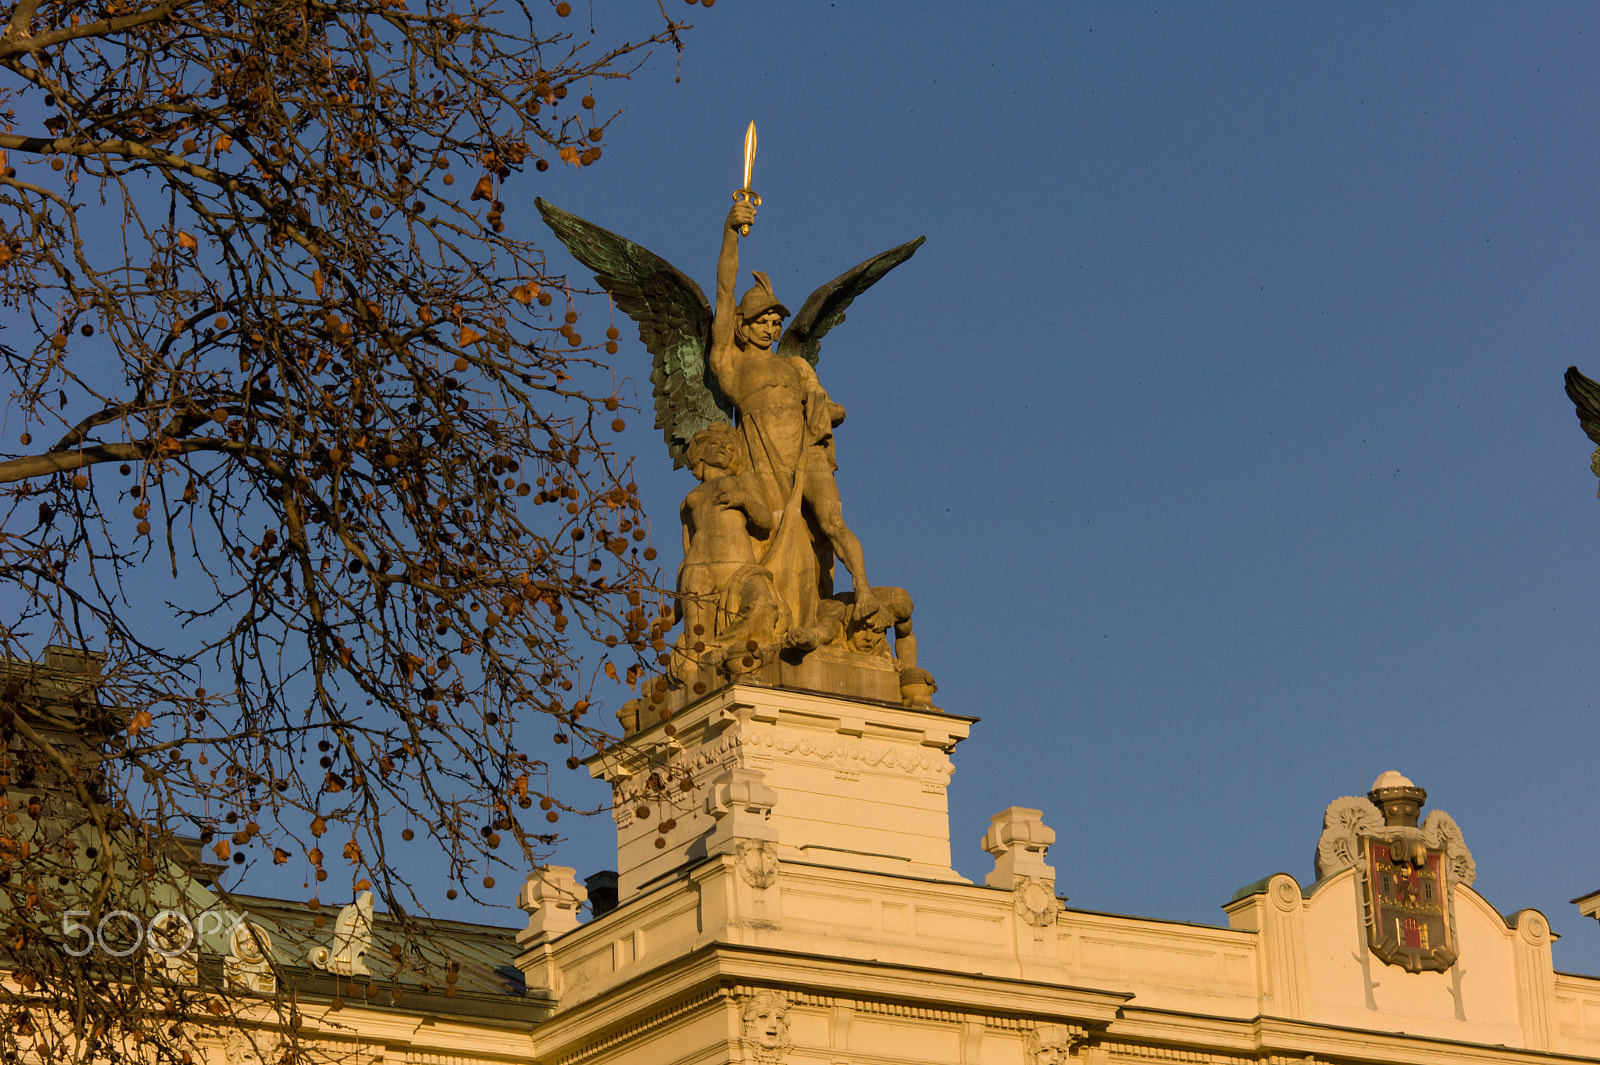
point(1218, 427)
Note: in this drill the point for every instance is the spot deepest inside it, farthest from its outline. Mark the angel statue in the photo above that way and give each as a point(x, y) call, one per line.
point(717, 367)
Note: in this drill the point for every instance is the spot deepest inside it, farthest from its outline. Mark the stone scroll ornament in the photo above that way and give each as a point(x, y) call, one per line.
point(1406, 873)
point(755, 427)
point(352, 940)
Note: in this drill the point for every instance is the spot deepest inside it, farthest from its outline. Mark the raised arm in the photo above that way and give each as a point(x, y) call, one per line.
point(725, 318)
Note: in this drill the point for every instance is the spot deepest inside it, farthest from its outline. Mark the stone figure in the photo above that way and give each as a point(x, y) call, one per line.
point(764, 1034)
point(787, 422)
point(726, 599)
point(767, 518)
point(1050, 1044)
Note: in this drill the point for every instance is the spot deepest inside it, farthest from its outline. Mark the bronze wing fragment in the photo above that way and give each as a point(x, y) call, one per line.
point(1585, 395)
point(674, 320)
point(826, 306)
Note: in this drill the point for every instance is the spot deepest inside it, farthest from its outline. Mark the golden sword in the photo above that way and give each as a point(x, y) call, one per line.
point(747, 194)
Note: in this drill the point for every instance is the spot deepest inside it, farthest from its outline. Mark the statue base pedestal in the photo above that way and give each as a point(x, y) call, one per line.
point(775, 773)
point(824, 671)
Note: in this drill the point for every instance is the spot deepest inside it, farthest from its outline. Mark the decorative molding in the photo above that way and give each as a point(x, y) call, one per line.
point(640, 1027)
point(172, 932)
point(1344, 822)
point(919, 1013)
point(872, 756)
point(244, 1048)
point(1197, 1057)
point(249, 961)
point(897, 1009)
point(1533, 928)
point(1440, 831)
point(1285, 894)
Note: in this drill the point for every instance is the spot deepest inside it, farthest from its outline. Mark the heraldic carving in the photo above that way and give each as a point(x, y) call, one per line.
point(762, 529)
point(1407, 873)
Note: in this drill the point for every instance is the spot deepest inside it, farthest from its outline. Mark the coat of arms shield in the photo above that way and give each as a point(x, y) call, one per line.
point(1406, 873)
point(1408, 902)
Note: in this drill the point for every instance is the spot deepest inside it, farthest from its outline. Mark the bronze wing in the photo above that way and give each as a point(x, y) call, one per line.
point(1585, 395)
point(826, 306)
point(674, 320)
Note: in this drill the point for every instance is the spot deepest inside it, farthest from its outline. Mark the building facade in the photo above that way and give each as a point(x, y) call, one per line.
point(796, 905)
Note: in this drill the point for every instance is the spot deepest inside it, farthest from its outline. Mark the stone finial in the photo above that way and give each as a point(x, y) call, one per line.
point(550, 897)
point(1018, 839)
point(1398, 798)
point(741, 803)
point(352, 940)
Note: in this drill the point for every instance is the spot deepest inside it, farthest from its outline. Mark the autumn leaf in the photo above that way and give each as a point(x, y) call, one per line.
point(186, 241)
point(569, 155)
point(225, 142)
point(140, 720)
point(484, 190)
point(468, 336)
point(318, 281)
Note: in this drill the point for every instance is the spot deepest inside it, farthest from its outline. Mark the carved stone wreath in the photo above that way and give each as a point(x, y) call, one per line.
point(1035, 902)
